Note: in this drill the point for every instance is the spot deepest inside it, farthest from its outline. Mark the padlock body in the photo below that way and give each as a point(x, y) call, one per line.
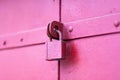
point(56, 50)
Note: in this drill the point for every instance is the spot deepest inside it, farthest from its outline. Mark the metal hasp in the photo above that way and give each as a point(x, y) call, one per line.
point(56, 47)
point(54, 25)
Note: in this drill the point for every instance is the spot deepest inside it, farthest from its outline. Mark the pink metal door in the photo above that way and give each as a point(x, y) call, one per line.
point(93, 35)
point(23, 54)
point(91, 31)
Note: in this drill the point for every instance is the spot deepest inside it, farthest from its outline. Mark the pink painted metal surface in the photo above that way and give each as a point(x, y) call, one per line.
point(27, 63)
point(80, 29)
point(20, 15)
point(96, 58)
point(95, 40)
point(92, 26)
point(22, 39)
point(79, 9)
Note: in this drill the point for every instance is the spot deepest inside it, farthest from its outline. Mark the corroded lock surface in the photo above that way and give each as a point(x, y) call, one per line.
point(51, 29)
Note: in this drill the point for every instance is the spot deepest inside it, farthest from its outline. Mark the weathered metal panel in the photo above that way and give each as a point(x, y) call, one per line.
point(95, 58)
point(93, 40)
point(89, 27)
point(22, 39)
point(27, 63)
point(20, 15)
point(92, 26)
point(72, 30)
point(81, 9)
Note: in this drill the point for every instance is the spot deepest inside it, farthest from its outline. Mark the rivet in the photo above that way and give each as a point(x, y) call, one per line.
point(70, 29)
point(117, 23)
point(21, 39)
point(4, 43)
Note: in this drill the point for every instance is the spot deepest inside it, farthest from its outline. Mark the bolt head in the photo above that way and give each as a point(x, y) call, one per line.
point(70, 29)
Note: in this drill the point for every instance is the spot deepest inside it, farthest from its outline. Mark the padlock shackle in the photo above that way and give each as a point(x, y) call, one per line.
point(59, 33)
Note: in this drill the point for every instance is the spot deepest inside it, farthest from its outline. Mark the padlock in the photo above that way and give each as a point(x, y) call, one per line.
point(56, 49)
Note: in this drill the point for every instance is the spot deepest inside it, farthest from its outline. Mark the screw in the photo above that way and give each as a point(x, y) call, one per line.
point(70, 29)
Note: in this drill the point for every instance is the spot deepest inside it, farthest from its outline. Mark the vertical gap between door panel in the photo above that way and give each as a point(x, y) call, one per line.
point(60, 2)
